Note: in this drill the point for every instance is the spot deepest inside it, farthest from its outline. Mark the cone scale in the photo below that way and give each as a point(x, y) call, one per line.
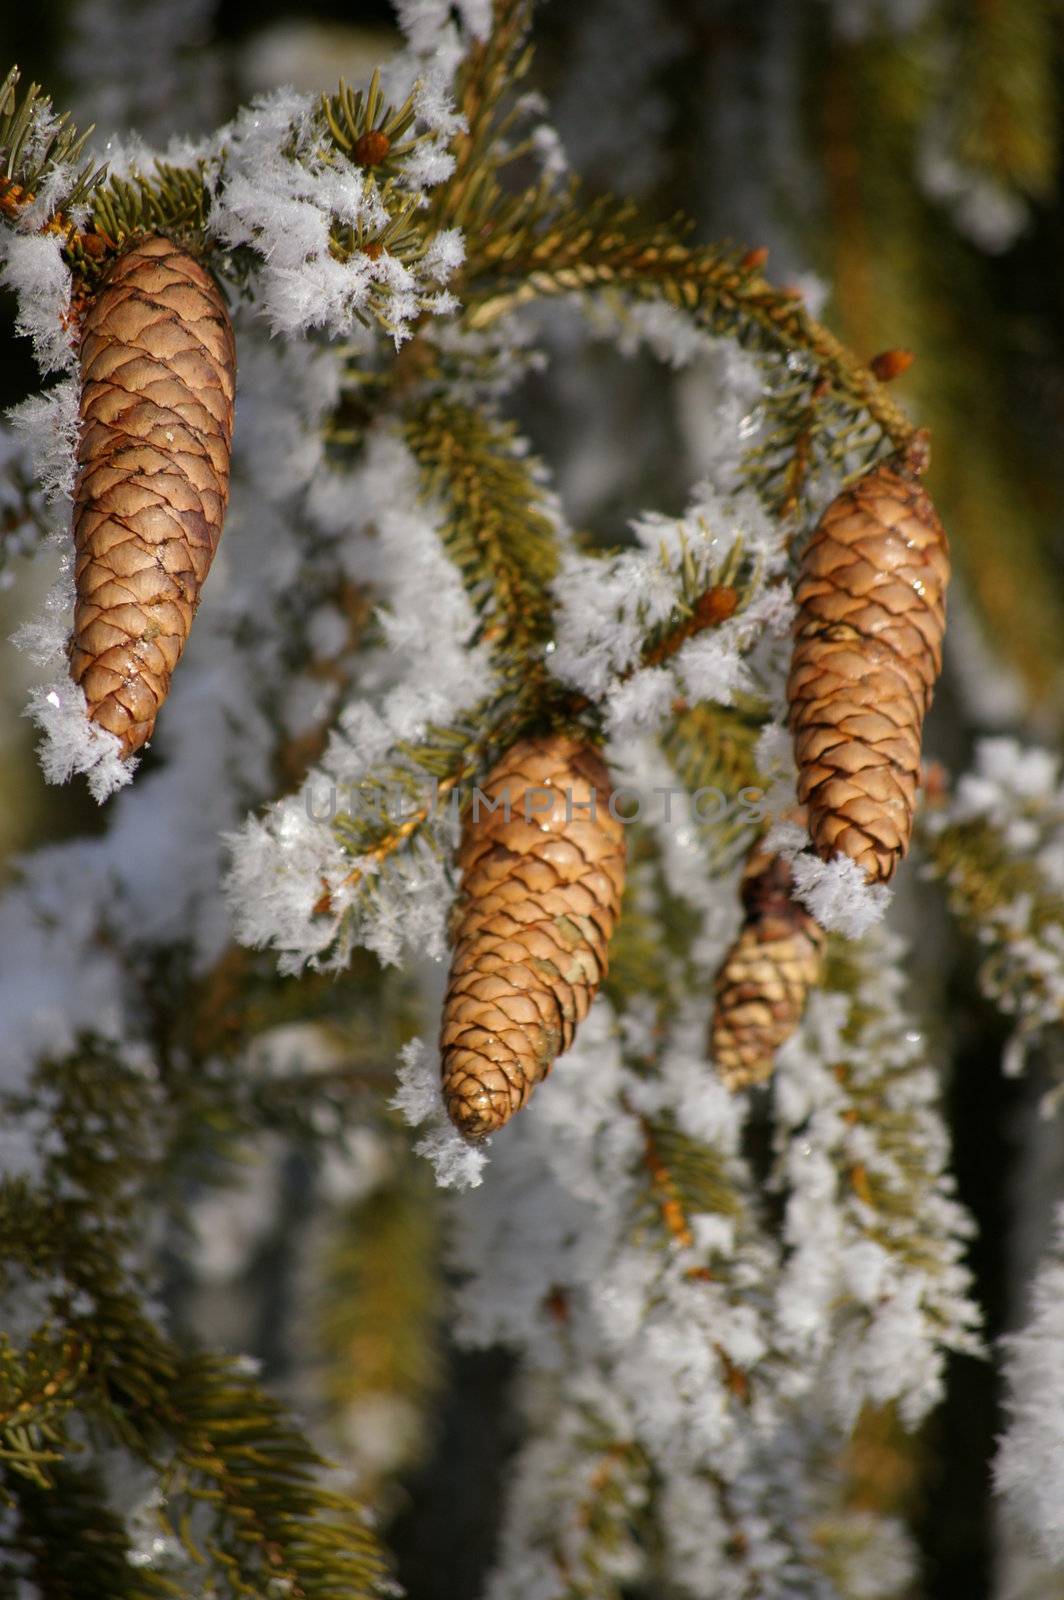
point(540, 896)
point(158, 370)
point(867, 653)
point(765, 978)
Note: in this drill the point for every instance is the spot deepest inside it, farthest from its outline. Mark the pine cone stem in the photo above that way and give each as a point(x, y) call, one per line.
point(158, 371)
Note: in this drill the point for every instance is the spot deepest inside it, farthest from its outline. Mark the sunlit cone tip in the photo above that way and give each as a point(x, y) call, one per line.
point(867, 652)
point(158, 369)
point(540, 896)
point(479, 1100)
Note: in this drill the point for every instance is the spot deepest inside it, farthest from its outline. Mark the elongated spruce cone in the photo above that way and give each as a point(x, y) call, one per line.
point(868, 649)
point(766, 976)
point(158, 373)
point(541, 893)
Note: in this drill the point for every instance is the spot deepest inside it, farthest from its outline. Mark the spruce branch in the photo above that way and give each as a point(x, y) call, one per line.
point(804, 429)
point(1003, 899)
point(408, 799)
point(879, 1130)
point(603, 244)
point(497, 529)
point(228, 1444)
point(200, 1421)
point(708, 745)
point(710, 748)
point(34, 143)
point(172, 200)
point(686, 1179)
point(38, 1388)
point(491, 68)
point(182, 202)
point(111, 1361)
point(421, 778)
point(523, 246)
point(378, 1314)
point(606, 1520)
point(890, 1195)
point(68, 1542)
point(648, 952)
point(499, 532)
point(580, 1513)
point(982, 875)
point(413, 797)
point(708, 592)
point(271, 1520)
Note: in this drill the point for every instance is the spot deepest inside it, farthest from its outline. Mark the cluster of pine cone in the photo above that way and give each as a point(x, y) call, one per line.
point(540, 900)
point(541, 886)
point(871, 599)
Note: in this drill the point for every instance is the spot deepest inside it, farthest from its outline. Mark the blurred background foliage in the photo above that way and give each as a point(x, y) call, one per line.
point(901, 162)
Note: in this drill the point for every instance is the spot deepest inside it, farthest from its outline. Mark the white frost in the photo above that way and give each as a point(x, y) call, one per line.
point(71, 743)
point(838, 894)
point(1030, 1463)
point(458, 1165)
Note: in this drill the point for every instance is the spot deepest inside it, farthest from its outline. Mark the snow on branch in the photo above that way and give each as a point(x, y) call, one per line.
point(874, 1288)
point(1030, 1460)
point(997, 847)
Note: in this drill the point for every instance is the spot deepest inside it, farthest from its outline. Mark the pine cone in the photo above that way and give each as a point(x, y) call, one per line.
point(158, 370)
point(868, 648)
point(541, 892)
point(761, 989)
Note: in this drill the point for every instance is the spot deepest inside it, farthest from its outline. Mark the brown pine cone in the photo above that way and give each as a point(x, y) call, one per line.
point(541, 893)
point(762, 986)
point(868, 649)
point(158, 374)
